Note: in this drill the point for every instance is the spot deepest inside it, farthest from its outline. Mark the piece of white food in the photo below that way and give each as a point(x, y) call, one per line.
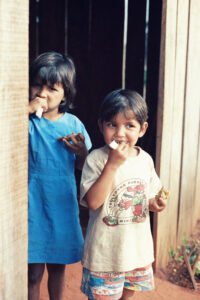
point(113, 145)
point(39, 112)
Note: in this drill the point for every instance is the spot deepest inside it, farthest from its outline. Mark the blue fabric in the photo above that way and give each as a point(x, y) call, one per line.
point(55, 234)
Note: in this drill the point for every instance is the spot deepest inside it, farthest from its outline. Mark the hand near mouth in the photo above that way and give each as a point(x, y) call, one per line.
point(118, 154)
point(38, 104)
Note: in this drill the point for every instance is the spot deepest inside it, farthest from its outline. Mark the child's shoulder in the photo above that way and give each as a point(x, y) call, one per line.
point(96, 160)
point(99, 153)
point(145, 156)
point(72, 119)
point(70, 116)
point(104, 150)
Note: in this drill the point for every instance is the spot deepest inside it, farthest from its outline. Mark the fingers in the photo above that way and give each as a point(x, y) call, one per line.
point(72, 147)
point(74, 142)
point(44, 104)
point(123, 146)
point(122, 149)
point(157, 204)
point(37, 103)
point(80, 137)
point(161, 202)
point(74, 138)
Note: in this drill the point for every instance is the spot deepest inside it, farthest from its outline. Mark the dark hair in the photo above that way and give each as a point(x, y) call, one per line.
point(51, 68)
point(122, 100)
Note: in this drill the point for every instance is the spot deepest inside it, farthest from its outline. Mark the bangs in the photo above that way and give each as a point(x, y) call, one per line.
point(128, 102)
point(113, 107)
point(47, 75)
point(109, 114)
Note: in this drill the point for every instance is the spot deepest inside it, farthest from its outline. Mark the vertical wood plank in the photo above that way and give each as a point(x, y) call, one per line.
point(197, 188)
point(14, 145)
point(170, 121)
point(191, 126)
point(166, 227)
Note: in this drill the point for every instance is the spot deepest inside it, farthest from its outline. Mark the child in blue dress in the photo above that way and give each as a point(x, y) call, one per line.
point(58, 143)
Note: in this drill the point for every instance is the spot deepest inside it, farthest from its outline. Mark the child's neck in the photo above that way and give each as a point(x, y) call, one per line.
point(134, 151)
point(52, 115)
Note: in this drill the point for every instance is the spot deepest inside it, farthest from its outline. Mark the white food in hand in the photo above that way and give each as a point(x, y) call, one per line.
point(113, 145)
point(39, 112)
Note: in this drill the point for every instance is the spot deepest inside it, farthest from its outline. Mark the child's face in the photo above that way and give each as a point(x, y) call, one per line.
point(123, 128)
point(52, 94)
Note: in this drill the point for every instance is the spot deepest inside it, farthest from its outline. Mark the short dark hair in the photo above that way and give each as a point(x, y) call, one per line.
point(52, 68)
point(122, 100)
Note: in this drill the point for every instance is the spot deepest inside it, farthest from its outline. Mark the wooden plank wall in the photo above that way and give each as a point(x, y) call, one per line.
point(177, 154)
point(13, 153)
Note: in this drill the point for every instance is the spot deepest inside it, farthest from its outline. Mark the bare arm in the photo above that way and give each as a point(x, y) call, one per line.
point(99, 191)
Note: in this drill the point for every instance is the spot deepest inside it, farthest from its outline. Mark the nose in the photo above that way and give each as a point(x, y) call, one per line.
point(42, 92)
point(120, 131)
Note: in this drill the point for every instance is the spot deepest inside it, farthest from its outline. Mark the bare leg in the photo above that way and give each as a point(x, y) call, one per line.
point(35, 273)
point(56, 281)
point(127, 294)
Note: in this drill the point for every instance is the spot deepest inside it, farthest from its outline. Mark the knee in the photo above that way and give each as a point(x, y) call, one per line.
point(34, 277)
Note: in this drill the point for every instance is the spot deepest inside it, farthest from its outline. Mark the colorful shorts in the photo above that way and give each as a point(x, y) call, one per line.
point(109, 285)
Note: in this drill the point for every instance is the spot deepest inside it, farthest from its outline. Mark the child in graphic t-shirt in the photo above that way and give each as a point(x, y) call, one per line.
point(120, 187)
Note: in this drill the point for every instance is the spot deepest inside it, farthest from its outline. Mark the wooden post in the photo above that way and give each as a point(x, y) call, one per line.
point(177, 156)
point(13, 154)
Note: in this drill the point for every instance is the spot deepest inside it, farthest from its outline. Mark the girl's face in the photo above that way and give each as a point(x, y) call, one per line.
point(123, 128)
point(53, 94)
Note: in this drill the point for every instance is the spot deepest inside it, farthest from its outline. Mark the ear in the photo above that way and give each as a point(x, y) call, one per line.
point(100, 126)
point(143, 129)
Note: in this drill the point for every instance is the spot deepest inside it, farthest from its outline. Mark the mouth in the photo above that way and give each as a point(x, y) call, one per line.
point(120, 142)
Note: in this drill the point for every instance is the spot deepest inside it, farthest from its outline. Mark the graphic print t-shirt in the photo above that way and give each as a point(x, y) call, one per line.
point(118, 235)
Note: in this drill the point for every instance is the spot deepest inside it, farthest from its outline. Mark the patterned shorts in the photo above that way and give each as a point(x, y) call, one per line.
point(109, 285)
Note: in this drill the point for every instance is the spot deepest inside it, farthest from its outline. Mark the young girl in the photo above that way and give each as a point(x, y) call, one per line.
point(58, 143)
point(120, 187)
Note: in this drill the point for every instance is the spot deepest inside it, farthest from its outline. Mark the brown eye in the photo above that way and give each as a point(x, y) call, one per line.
point(131, 126)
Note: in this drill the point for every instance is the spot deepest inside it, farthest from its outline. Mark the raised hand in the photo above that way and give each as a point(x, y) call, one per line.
point(37, 103)
point(119, 155)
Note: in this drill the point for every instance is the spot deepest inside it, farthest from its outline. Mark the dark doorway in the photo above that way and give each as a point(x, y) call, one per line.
point(92, 32)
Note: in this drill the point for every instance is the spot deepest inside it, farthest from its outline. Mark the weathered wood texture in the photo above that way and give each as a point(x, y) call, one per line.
point(178, 124)
point(13, 151)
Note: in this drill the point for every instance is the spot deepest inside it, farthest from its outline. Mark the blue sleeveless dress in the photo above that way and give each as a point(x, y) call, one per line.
point(54, 230)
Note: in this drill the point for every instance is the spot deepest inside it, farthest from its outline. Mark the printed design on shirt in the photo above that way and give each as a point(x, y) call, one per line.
point(127, 203)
